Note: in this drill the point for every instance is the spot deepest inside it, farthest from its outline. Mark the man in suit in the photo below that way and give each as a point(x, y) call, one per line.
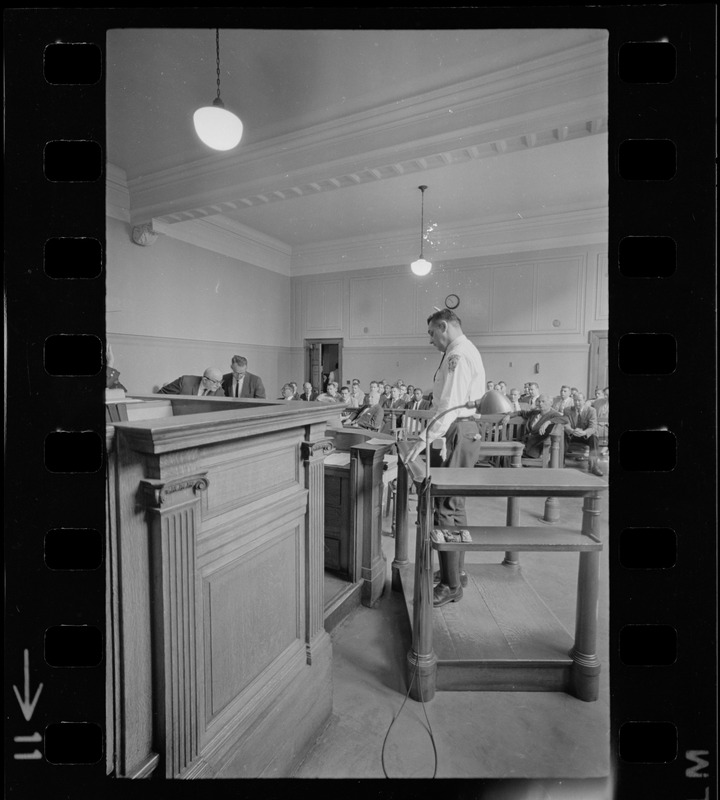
point(241, 383)
point(563, 401)
point(210, 383)
point(308, 392)
point(370, 416)
point(396, 402)
point(418, 403)
point(538, 421)
point(582, 427)
point(515, 400)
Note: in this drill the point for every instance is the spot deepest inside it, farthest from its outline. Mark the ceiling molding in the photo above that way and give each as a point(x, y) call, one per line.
point(543, 101)
point(562, 228)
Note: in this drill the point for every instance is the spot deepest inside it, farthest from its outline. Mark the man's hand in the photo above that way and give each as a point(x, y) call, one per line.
point(417, 448)
point(543, 428)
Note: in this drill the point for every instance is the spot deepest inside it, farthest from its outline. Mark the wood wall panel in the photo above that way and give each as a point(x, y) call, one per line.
point(250, 616)
point(248, 471)
point(398, 306)
point(602, 302)
point(323, 305)
point(365, 306)
point(558, 298)
point(512, 298)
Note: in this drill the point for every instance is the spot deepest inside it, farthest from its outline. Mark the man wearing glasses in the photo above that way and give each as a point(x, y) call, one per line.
point(209, 384)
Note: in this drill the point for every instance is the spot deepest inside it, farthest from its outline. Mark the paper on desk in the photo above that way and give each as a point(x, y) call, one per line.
point(338, 459)
point(379, 441)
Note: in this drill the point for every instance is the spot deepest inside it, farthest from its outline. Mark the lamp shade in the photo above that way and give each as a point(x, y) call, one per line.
point(421, 266)
point(217, 127)
point(494, 402)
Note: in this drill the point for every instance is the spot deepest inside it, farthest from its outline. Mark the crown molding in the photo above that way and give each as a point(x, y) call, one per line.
point(564, 227)
point(539, 99)
point(117, 196)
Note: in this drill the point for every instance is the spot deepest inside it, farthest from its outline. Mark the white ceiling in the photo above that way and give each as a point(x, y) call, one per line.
point(342, 126)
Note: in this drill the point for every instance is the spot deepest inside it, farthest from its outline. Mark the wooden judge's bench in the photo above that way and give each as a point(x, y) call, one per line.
point(219, 664)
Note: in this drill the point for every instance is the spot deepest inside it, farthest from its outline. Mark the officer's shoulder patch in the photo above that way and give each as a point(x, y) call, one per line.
point(453, 361)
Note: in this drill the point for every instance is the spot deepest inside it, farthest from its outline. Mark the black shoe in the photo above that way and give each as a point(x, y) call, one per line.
point(437, 577)
point(443, 594)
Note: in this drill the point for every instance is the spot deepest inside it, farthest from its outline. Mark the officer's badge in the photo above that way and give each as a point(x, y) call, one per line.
point(453, 361)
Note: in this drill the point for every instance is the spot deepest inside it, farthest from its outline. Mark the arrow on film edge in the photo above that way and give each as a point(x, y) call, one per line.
point(26, 706)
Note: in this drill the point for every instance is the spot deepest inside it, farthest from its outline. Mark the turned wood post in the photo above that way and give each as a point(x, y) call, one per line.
point(401, 524)
point(585, 674)
point(513, 510)
point(421, 660)
point(552, 506)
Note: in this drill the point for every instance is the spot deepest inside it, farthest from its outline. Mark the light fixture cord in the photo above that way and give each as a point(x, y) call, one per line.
point(422, 219)
point(217, 60)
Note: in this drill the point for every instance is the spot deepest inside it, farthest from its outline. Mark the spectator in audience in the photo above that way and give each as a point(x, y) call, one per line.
point(374, 387)
point(602, 406)
point(418, 403)
point(369, 416)
point(210, 383)
point(288, 393)
point(538, 422)
point(489, 386)
point(241, 383)
point(330, 395)
point(526, 395)
point(386, 398)
point(308, 392)
point(573, 391)
point(295, 389)
point(581, 427)
point(409, 393)
point(563, 400)
point(344, 393)
point(502, 387)
point(396, 402)
point(357, 396)
point(515, 400)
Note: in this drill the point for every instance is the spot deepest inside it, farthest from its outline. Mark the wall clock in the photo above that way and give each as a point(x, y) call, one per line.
point(452, 301)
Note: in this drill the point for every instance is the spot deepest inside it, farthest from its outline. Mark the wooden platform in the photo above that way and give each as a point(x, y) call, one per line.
point(500, 637)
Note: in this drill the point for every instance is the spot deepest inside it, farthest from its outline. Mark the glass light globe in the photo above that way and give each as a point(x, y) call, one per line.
point(421, 266)
point(217, 127)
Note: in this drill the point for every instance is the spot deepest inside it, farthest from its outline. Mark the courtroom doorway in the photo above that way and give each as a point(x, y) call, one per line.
point(598, 366)
point(323, 360)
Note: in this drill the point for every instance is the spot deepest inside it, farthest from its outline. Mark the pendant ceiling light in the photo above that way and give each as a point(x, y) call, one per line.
point(217, 127)
point(421, 266)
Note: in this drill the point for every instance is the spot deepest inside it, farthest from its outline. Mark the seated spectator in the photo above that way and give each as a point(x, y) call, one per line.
point(374, 387)
point(502, 387)
point(581, 428)
point(357, 396)
point(344, 393)
point(532, 396)
point(330, 395)
point(489, 386)
point(563, 400)
point(515, 400)
point(418, 403)
point(308, 392)
point(210, 383)
point(369, 417)
point(288, 393)
point(573, 391)
point(409, 393)
point(602, 406)
point(538, 422)
point(295, 389)
point(396, 401)
point(385, 397)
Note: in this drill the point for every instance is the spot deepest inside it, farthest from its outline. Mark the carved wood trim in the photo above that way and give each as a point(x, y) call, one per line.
point(174, 508)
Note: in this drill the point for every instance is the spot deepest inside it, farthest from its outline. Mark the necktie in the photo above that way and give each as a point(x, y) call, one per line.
point(237, 388)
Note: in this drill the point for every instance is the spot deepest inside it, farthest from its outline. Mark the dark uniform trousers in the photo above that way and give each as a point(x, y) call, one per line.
point(462, 450)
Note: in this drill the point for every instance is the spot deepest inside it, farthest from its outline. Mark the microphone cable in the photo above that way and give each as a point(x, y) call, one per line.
point(427, 566)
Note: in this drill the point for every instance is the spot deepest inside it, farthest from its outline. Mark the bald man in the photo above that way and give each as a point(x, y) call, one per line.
point(210, 384)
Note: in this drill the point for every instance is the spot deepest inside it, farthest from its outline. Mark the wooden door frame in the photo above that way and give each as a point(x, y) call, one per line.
point(594, 338)
point(308, 358)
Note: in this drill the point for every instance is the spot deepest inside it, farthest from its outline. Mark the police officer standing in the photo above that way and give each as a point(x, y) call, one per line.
point(459, 379)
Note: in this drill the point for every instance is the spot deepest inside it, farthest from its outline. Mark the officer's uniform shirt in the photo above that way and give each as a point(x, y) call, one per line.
point(459, 379)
